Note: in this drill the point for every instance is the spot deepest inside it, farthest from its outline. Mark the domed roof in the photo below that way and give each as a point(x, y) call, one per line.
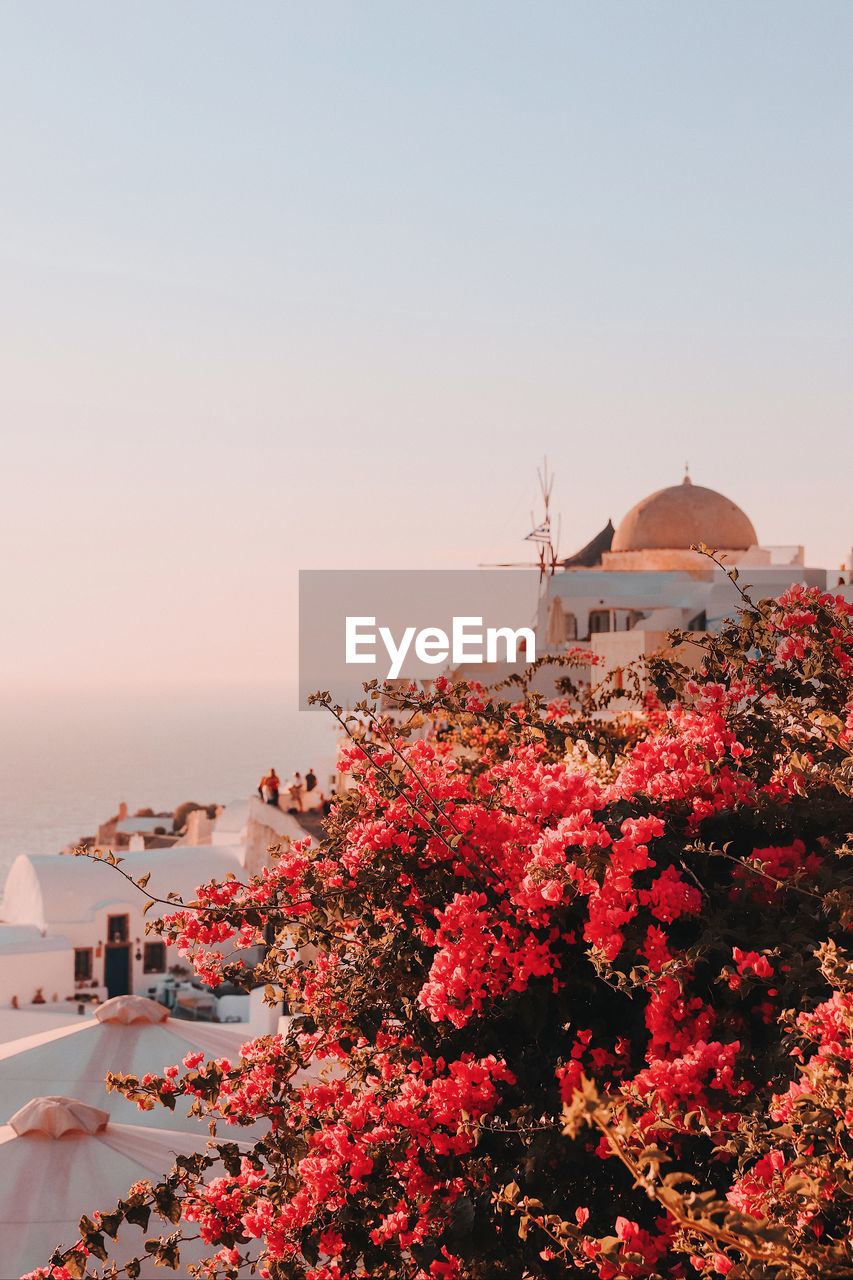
point(682, 515)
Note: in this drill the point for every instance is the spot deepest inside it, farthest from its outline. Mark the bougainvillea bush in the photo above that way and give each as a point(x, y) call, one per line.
point(582, 989)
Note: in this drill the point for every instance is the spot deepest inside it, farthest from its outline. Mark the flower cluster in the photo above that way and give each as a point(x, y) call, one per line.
point(543, 994)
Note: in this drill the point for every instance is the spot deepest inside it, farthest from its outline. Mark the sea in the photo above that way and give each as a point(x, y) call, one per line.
point(67, 759)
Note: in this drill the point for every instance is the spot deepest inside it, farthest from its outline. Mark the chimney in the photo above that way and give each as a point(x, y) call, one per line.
point(122, 811)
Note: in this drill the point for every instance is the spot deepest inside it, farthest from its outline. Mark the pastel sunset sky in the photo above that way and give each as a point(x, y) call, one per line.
point(317, 285)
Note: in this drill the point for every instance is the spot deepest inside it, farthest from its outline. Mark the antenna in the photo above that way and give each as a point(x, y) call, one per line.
point(542, 532)
point(546, 560)
point(547, 550)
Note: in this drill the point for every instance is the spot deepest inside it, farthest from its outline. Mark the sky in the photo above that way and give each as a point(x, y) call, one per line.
point(293, 286)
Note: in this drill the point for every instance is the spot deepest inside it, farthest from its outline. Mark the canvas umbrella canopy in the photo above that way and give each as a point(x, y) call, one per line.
point(59, 1159)
point(129, 1034)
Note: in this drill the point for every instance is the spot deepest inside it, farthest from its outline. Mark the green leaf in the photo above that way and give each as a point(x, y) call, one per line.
point(138, 1214)
point(75, 1264)
point(110, 1223)
point(95, 1244)
point(168, 1255)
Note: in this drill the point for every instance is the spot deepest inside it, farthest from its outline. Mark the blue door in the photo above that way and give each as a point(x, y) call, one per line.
point(117, 970)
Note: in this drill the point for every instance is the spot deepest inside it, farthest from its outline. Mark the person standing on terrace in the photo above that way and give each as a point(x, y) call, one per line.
point(268, 787)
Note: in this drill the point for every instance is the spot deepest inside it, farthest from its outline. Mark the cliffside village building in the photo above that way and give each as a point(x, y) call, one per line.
point(621, 595)
point(71, 927)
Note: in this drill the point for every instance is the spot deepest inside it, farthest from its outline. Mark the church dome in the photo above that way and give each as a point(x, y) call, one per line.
point(684, 514)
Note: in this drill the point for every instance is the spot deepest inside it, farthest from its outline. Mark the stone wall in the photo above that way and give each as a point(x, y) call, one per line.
point(199, 827)
point(268, 826)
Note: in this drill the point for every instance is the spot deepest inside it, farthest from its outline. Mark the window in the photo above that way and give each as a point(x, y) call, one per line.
point(154, 957)
point(82, 964)
point(599, 620)
point(571, 626)
point(117, 929)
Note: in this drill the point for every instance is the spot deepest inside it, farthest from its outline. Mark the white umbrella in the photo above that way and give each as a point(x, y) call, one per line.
point(128, 1034)
point(60, 1159)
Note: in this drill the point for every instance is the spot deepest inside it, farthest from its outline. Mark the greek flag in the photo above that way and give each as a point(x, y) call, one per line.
point(542, 533)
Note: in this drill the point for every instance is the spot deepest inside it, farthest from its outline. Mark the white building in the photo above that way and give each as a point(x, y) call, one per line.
point(621, 594)
point(643, 576)
point(72, 927)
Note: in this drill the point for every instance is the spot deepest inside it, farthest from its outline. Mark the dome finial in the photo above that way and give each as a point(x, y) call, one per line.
point(687, 479)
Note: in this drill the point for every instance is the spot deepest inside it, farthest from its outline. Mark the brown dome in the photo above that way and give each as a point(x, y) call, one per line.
point(682, 515)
